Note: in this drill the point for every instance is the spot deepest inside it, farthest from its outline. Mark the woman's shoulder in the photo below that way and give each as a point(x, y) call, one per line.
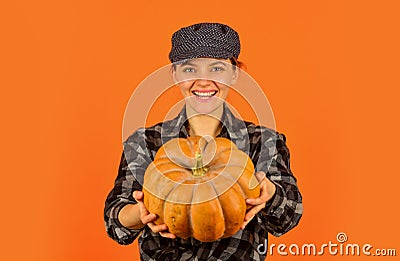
point(267, 137)
point(152, 134)
point(260, 131)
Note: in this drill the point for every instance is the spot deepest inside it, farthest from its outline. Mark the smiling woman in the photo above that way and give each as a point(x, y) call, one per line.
point(205, 67)
point(204, 83)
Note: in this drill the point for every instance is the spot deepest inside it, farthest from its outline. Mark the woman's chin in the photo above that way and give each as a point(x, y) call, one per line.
point(205, 107)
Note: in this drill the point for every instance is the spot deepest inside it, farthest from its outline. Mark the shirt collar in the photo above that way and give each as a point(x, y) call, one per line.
point(175, 127)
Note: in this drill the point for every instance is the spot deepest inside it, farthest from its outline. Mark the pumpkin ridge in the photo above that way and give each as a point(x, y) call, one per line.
point(175, 160)
point(219, 203)
point(226, 175)
point(177, 168)
point(234, 150)
point(179, 182)
point(220, 166)
point(165, 199)
point(233, 184)
point(219, 152)
point(189, 210)
point(229, 220)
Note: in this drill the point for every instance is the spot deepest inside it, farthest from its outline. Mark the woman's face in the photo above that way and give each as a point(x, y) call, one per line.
point(205, 82)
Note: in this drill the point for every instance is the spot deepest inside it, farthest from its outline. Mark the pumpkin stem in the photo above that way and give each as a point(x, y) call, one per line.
point(199, 170)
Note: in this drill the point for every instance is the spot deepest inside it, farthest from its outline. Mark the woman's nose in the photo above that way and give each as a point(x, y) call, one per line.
point(203, 82)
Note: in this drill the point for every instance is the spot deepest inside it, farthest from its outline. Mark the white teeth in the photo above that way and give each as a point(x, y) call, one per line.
point(204, 94)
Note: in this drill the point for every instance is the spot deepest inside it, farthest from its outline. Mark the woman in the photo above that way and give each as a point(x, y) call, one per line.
point(204, 58)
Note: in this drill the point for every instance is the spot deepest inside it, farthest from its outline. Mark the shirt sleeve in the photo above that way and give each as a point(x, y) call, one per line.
point(284, 210)
point(134, 162)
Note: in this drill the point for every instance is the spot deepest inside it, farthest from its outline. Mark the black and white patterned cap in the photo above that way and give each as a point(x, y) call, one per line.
point(206, 40)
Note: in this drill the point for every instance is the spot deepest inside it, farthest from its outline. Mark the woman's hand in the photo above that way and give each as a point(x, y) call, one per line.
point(267, 190)
point(147, 218)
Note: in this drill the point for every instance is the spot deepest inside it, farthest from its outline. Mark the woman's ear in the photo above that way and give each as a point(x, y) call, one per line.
point(235, 76)
point(173, 71)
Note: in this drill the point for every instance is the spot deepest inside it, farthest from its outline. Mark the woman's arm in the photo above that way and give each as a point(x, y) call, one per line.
point(136, 216)
point(267, 192)
point(134, 161)
point(125, 214)
point(120, 200)
point(280, 201)
point(130, 217)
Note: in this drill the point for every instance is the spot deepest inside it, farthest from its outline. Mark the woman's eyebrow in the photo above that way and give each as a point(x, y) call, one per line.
point(217, 63)
point(188, 63)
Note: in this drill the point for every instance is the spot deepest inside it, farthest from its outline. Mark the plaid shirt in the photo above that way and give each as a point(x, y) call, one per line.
point(268, 152)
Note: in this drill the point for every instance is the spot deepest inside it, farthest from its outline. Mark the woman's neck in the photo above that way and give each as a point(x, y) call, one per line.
point(204, 124)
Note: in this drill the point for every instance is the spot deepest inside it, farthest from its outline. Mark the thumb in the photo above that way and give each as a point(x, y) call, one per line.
point(260, 175)
point(137, 194)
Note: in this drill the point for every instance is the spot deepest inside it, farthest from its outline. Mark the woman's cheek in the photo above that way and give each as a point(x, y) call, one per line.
point(185, 89)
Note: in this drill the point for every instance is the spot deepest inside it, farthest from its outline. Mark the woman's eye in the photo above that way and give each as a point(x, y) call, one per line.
point(217, 69)
point(188, 69)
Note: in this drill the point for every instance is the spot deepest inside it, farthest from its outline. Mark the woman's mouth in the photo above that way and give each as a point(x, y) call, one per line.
point(204, 95)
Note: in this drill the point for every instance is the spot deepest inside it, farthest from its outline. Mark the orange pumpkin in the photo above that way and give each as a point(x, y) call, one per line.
point(198, 187)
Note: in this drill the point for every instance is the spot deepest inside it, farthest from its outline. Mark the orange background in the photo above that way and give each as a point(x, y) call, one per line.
point(330, 70)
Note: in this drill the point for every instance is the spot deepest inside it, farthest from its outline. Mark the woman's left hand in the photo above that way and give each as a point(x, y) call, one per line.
point(267, 190)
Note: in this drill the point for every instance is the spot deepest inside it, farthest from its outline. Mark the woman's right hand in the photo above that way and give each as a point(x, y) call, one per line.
point(147, 218)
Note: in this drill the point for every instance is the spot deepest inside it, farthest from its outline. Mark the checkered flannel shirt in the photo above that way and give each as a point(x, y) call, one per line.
point(269, 153)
